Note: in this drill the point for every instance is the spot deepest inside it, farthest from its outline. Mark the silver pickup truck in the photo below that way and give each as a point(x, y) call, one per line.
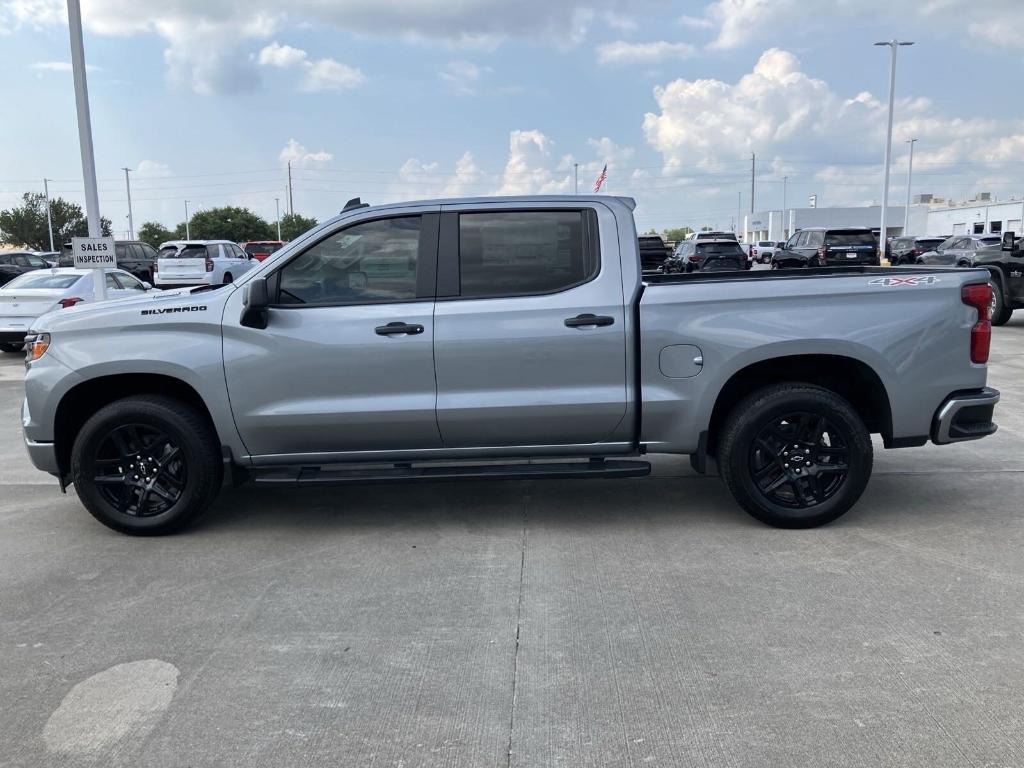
point(411, 341)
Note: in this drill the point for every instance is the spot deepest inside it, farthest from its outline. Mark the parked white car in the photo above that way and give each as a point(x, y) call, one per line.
point(200, 262)
point(34, 294)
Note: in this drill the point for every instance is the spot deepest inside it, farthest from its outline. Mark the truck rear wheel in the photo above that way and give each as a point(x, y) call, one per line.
point(795, 455)
point(146, 465)
point(1000, 313)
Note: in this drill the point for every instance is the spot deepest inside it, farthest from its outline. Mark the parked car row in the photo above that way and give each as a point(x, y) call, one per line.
point(958, 250)
point(827, 247)
point(15, 263)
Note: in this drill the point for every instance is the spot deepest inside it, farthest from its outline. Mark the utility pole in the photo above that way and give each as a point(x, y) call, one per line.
point(128, 188)
point(753, 162)
point(291, 206)
point(739, 214)
point(49, 219)
point(188, 232)
point(277, 207)
point(92, 197)
point(910, 177)
point(785, 223)
point(882, 233)
point(575, 178)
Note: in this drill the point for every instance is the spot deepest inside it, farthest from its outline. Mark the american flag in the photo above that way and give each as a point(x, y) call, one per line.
point(601, 178)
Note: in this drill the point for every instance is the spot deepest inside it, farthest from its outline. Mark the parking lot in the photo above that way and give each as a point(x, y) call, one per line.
point(549, 623)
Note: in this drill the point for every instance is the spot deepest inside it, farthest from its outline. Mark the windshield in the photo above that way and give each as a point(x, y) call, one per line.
point(46, 280)
point(251, 248)
point(928, 243)
point(850, 238)
point(188, 252)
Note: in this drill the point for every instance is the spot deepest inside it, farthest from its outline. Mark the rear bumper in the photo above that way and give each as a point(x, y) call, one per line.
point(965, 416)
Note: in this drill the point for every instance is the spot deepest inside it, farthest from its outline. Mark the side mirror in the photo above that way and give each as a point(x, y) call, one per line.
point(255, 304)
point(147, 286)
point(1009, 239)
point(781, 247)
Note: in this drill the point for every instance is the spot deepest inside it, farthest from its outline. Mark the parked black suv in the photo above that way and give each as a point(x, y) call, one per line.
point(907, 249)
point(14, 263)
point(653, 252)
point(958, 250)
point(1005, 263)
point(828, 247)
point(706, 255)
point(133, 256)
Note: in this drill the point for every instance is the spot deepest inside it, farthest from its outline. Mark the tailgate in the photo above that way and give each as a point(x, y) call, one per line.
point(180, 269)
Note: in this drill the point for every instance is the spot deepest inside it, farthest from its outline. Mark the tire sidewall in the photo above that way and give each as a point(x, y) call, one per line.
point(82, 467)
point(853, 434)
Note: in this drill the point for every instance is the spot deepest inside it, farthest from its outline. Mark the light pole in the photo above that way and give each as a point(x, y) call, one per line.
point(188, 233)
point(785, 224)
point(49, 219)
point(575, 178)
point(277, 207)
point(910, 176)
point(128, 188)
point(893, 46)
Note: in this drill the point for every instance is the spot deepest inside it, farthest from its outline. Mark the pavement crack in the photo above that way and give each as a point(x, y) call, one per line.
point(519, 619)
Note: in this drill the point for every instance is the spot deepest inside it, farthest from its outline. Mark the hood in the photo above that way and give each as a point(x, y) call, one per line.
point(149, 308)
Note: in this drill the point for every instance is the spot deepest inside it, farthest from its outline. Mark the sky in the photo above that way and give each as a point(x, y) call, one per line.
point(207, 101)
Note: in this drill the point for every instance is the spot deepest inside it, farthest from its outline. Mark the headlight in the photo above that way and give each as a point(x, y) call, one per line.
point(36, 346)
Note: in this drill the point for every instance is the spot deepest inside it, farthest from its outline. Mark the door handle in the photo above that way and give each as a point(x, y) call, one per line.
point(398, 327)
point(587, 320)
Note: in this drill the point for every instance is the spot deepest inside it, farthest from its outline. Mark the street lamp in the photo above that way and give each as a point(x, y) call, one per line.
point(893, 46)
point(188, 233)
point(910, 176)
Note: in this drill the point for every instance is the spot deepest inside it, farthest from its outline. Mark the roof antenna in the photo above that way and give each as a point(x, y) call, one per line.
point(354, 203)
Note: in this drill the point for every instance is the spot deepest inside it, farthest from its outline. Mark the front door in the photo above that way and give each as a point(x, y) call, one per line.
point(530, 332)
point(346, 362)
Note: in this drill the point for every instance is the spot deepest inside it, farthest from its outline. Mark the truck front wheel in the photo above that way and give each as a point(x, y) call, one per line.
point(146, 465)
point(795, 455)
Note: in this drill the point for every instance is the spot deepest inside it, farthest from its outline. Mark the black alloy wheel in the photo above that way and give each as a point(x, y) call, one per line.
point(799, 460)
point(139, 470)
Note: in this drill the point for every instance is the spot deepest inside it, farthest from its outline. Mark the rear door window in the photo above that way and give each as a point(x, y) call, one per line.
point(515, 253)
point(815, 239)
point(213, 251)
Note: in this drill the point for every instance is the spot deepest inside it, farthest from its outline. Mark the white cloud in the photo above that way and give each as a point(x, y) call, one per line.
point(622, 52)
point(59, 66)
point(151, 169)
point(463, 77)
point(298, 155)
point(527, 170)
point(318, 75)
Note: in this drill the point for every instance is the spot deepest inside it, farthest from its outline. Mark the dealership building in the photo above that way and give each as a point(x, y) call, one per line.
point(928, 216)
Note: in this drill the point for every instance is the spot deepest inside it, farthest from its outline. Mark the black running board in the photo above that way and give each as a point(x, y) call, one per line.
point(314, 476)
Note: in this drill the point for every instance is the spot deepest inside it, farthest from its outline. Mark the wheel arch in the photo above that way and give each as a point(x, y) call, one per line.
point(84, 399)
point(852, 379)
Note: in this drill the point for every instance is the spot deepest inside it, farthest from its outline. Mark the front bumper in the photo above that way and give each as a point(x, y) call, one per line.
point(12, 337)
point(965, 416)
point(43, 456)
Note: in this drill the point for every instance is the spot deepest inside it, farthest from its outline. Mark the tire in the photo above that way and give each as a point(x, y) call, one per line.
point(756, 458)
point(12, 348)
point(184, 473)
point(1000, 314)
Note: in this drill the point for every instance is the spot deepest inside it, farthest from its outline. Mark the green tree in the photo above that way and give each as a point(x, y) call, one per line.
point(26, 224)
point(293, 225)
point(155, 233)
point(677, 233)
point(229, 223)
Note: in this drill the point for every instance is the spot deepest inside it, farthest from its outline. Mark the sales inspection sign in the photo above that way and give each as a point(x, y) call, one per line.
point(93, 252)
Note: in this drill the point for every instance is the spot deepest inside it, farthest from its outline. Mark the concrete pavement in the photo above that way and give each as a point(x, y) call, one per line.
point(549, 623)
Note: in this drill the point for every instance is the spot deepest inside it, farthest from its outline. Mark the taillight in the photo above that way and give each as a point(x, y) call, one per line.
point(979, 296)
point(753, 253)
point(65, 303)
point(209, 265)
point(822, 253)
point(695, 258)
point(156, 266)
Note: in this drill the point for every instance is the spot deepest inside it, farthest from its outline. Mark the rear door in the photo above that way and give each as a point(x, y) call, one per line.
point(530, 335)
point(346, 362)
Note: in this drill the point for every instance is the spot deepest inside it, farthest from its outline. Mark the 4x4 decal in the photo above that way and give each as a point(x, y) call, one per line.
point(890, 282)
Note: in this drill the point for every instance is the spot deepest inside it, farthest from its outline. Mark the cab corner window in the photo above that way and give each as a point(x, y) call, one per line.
point(366, 263)
point(507, 253)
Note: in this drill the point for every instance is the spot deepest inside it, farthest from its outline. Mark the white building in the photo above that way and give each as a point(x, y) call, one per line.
point(977, 217)
point(778, 225)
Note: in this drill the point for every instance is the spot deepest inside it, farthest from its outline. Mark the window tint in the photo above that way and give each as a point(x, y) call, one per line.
point(120, 251)
point(37, 262)
point(43, 280)
point(111, 282)
point(135, 252)
point(20, 260)
point(521, 252)
point(238, 253)
point(719, 249)
point(815, 239)
point(213, 251)
point(370, 262)
point(765, 244)
point(850, 238)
